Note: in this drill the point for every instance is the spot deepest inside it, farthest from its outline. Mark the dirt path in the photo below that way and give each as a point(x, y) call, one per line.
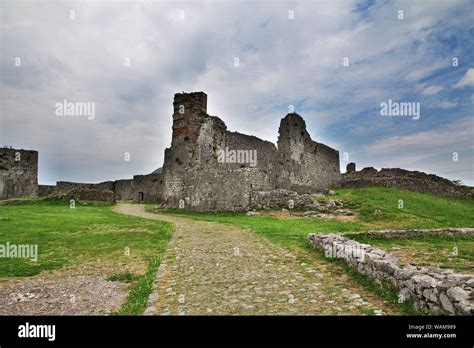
point(81, 290)
point(217, 269)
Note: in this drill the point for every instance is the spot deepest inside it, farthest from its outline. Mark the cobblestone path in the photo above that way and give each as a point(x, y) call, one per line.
point(217, 269)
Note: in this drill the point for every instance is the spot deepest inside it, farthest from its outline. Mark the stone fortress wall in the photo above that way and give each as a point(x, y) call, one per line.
point(196, 172)
point(197, 176)
point(209, 168)
point(18, 173)
point(401, 178)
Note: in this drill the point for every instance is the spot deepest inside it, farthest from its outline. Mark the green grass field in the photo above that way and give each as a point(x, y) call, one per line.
point(94, 234)
point(419, 211)
point(416, 211)
point(455, 252)
point(90, 233)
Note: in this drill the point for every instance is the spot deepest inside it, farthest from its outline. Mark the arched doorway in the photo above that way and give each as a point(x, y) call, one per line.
point(140, 196)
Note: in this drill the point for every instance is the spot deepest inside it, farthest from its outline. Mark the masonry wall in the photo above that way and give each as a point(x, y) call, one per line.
point(148, 188)
point(66, 186)
point(401, 178)
point(305, 166)
point(433, 289)
point(123, 189)
point(228, 190)
point(193, 169)
point(18, 173)
point(46, 190)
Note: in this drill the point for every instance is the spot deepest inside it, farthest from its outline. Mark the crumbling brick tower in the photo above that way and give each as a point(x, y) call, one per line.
point(189, 112)
point(193, 174)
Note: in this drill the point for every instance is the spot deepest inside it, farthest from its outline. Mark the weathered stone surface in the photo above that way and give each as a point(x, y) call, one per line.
point(351, 167)
point(465, 307)
point(426, 288)
point(18, 173)
point(424, 281)
point(415, 233)
point(403, 274)
point(86, 194)
point(252, 173)
point(457, 294)
point(410, 180)
point(46, 190)
point(123, 189)
point(194, 167)
point(446, 303)
point(280, 198)
point(430, 294)
point(405, 294)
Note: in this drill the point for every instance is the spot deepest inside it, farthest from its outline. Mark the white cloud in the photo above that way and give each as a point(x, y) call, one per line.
point(431, 90)
point(283, 62)
point(453, 134)
point(446, 104)
point(466, 80)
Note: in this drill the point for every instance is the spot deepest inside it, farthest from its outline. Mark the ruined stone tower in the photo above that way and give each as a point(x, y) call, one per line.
point(207, 167)
point(189, 112)
point(18, 173)
point(305, 165)
point(195, 174)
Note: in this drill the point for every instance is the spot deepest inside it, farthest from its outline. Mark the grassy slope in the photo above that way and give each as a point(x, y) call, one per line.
point(445, 251)
point(419, 211)
point(90, 233)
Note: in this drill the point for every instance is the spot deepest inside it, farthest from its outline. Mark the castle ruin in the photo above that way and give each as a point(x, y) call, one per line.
point(209, 168)
point(212, 169)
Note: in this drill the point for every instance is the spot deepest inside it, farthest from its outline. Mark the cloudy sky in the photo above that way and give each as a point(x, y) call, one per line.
point(289, 53)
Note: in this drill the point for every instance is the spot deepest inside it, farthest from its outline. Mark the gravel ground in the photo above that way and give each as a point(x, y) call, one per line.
point(61, 294)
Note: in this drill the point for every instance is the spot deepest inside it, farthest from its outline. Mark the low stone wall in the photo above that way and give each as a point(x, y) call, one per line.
point(66, 186)
point(280, 198)
point(123, 189)
point(147, 188)
point(46, 190)
point(401, 178)
point(87, 194)
point(412, 233)
point(436, 290)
